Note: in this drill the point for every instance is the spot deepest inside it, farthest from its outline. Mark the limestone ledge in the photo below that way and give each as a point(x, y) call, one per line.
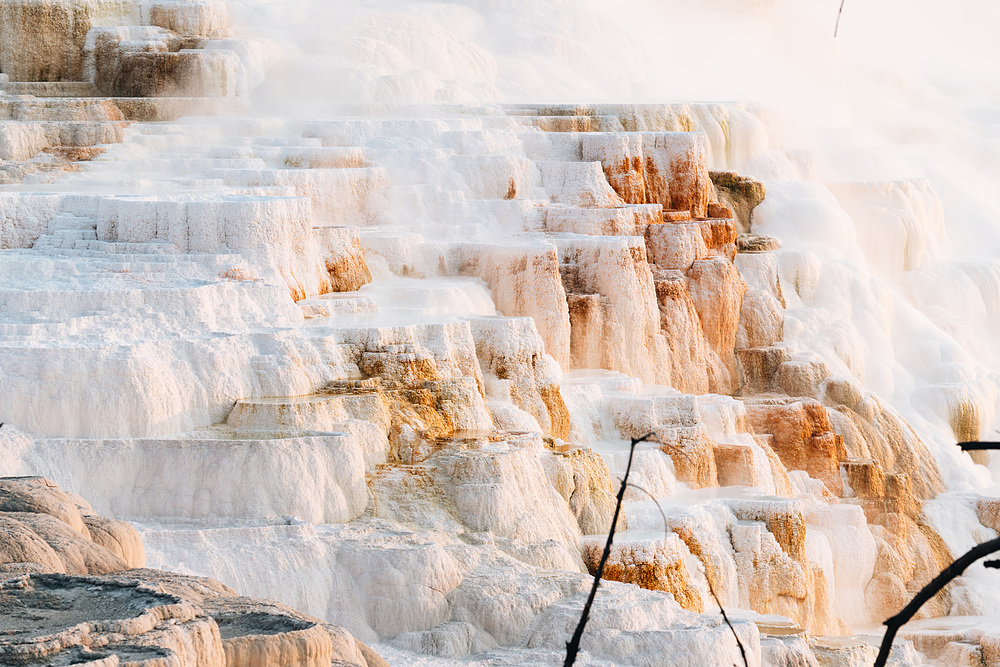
point(73, 590)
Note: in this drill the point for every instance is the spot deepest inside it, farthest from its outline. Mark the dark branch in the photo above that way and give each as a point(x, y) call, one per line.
point(573, 645)
point(666, 529)
point(725, 618)
point(978, 446)
point(839, 12)
point(930, 590)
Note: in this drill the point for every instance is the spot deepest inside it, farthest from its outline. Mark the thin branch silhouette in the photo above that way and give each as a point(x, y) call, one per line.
point(708, 580)
point(944, 578)
point(978, 446)
point(711, 589)
point(930, 590)
point(573, 645)
point(840, 11)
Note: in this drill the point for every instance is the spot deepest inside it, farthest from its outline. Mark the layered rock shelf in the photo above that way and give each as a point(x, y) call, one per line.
point(74, 591)
point(382, 365)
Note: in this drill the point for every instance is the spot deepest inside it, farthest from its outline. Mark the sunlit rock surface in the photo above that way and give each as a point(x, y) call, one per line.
point(382, 362)
point(75, 591)
point(47, 530)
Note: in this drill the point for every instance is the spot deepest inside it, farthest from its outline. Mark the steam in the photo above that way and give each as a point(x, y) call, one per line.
point(901, 290)
point(878, 148)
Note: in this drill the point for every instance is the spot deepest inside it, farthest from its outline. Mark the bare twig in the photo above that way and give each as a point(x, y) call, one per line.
point(573, 645)
point(939, 582)
point(839, 12)
point(930, 590)
point(666, 529)
point(677, 450)
point(725, 618)
point(978, 446)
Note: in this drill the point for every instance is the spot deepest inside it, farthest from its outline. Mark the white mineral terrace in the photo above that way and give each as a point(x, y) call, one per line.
point(356, 307)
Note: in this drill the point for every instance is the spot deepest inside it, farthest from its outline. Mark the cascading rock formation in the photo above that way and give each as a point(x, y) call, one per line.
point(354, 308)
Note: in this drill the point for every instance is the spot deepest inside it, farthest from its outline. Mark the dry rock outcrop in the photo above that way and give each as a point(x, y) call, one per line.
point(74, 590)
point(45, 529)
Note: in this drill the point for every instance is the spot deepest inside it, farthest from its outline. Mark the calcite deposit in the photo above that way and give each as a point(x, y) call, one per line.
point(381, 362)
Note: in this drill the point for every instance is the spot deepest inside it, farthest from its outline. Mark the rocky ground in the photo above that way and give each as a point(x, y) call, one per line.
point(74, 591)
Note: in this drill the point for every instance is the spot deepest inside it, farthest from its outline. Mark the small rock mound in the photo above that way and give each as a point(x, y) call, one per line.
point(45, 530)
point(146, 618)
point(72, 592)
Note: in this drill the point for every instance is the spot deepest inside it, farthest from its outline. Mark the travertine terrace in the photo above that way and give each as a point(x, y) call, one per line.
point(381, 365)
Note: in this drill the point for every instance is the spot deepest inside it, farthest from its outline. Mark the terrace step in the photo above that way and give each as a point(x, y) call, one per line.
point(50, 88)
